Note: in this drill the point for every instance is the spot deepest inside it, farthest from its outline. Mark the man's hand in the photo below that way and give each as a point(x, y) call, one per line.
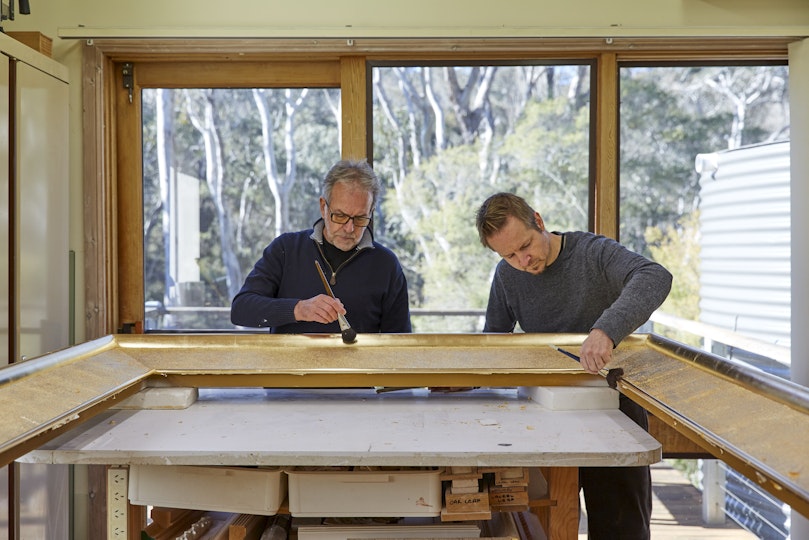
point(596, 351)
point(322, 308)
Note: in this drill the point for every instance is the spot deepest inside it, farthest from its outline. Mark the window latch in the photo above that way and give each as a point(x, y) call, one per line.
point(128, 74)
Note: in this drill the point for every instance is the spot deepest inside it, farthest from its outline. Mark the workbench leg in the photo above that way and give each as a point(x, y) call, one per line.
point(561, 519)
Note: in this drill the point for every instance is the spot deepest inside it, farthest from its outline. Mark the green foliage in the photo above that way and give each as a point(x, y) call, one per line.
point(248, 201)
point(678, 249)
point(660, 137)
point(436, 204)
point(545, 161)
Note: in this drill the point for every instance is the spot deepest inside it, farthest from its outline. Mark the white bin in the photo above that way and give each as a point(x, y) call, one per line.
point(243, 490)
point(397, 493)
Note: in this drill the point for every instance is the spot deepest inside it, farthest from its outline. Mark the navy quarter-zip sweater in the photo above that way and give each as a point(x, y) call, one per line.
point(370, 284)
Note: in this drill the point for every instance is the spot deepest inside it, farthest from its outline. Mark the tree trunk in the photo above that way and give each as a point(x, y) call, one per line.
point(205, 122)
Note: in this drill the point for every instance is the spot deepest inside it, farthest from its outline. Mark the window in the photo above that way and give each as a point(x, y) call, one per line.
point(225, 172)
point(448, 136)
point(574, 160)
point(705, 190)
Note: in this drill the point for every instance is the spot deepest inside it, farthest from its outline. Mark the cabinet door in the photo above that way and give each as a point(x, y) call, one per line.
point(5, 258)
point(42, 215)
point(42, 266)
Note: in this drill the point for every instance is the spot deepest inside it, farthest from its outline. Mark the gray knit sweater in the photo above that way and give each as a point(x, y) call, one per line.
point(594, 283)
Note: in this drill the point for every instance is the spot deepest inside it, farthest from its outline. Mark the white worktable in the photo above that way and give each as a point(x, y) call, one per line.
point(485, 427)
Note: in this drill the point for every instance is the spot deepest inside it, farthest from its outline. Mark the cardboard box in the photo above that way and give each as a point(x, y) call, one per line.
point(359, 493)
point(245, 490)
point(35, 40)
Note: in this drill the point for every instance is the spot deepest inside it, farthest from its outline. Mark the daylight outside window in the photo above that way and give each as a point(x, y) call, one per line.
point(704, 184)
point(445, 138)
point(224, 172)
point(227, 170)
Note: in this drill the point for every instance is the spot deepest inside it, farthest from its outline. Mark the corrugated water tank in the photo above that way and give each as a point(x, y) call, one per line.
point(745, 239)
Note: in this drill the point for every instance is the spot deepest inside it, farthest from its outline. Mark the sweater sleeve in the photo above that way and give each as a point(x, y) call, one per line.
point(256, 304)
point(644, 286)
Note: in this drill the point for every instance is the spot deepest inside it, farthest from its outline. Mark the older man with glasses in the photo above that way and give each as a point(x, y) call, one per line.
point(284, 291)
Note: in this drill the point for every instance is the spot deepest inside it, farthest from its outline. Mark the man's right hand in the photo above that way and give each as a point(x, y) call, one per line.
point(322, 308)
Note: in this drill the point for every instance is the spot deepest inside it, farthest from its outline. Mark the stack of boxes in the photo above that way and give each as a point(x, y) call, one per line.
point(475, 492)
point(508, 492)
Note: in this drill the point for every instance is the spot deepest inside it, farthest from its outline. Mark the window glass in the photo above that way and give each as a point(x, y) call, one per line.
point(704, 183)
point(445, 138)
point(224, 172)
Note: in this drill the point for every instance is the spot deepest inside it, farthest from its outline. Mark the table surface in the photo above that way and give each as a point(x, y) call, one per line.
point(337, 427)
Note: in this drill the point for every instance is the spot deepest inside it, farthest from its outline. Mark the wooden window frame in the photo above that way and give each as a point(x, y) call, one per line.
point(114, 296)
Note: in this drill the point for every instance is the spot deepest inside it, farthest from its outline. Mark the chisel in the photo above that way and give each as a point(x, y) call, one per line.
point(613, 375)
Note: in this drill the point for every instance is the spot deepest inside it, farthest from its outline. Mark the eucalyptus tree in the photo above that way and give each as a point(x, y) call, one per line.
point(671, 114)
point(202, 112)
point(446, 137)
point(280, 184)
point(164, 146)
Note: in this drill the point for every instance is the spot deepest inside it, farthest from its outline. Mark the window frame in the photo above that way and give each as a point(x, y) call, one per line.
point(112, 161)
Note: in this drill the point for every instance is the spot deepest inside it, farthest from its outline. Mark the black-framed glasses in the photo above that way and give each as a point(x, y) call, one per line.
point(342, 219)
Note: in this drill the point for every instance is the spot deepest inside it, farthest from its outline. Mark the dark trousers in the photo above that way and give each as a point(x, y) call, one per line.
point(619, 499)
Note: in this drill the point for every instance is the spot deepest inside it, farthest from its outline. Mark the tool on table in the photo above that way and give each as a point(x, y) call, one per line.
point(613, 375)
point(348, 333)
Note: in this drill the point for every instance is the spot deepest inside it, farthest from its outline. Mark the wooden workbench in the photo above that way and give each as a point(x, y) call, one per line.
point(758, 425)
point(333, 427)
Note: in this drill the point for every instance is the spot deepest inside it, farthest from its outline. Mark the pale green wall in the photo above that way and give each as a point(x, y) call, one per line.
point(442, 18)
point(464, 16)
point(66, 21)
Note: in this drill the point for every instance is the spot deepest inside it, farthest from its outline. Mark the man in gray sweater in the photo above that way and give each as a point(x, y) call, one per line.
point(577, 282)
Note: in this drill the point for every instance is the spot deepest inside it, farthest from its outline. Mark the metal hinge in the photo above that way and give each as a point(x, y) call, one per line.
point(128, 73)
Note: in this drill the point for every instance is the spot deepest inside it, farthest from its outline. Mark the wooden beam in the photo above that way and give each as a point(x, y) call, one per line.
point(304, 49)
point(675, 444)
point(129, 196)
point(98, 187)
point(354, 97)
point(604, 194)
point(252, 74)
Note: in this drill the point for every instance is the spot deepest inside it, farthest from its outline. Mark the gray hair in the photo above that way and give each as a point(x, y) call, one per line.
point(357, 171)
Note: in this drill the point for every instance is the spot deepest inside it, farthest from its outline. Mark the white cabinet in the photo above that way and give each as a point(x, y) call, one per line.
point(34, 265)
point(34, 202)
point(41, 219)
point(4, 210)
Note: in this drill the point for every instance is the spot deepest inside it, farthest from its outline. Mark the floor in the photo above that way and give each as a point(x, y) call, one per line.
point(677, 511)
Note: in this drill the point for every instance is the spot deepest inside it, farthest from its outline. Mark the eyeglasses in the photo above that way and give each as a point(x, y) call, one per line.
point(342, 219)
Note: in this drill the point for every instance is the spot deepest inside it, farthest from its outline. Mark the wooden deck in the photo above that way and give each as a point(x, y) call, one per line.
point(677, 511)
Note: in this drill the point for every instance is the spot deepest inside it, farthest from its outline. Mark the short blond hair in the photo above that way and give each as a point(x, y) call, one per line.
point(495, 211)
